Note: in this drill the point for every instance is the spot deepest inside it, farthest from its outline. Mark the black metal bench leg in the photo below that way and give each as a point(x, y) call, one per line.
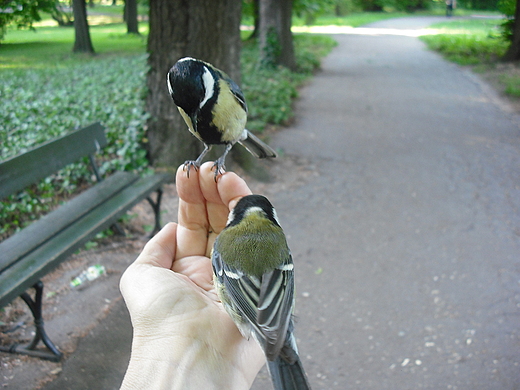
point(35, 305)
point(156, 206)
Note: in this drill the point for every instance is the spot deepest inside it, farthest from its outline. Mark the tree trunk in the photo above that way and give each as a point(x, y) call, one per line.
point(256, 18)
point(205, 29)
point(513, 52)
point(276, 41)
point(82, 42)
point(132, 26)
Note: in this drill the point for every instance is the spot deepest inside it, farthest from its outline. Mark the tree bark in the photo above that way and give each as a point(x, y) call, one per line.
point(82, 42)
point(513, 52)
point(208, 30)
point(132, 25)
point(256, 18)
point(276, 40)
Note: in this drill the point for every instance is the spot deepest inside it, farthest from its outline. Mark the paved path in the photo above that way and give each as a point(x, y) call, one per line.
point(406, 242)
point(405, 231)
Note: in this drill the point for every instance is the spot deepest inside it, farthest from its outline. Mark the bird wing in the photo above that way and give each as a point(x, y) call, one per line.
point(275, 306)
point(265, 302)
point(236, 91)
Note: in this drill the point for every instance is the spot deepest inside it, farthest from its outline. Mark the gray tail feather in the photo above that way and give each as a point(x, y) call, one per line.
point(256, 146)
point(286, 376)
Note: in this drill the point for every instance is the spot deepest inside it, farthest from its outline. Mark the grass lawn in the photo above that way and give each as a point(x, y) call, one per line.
point(468, 41)
point(478, 43)
point(52, 46)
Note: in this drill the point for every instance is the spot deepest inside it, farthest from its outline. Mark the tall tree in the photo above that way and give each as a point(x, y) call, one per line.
point(513, 33)
point(276, 40)
point(205, 29)
point(82, 41)
point(132, 25)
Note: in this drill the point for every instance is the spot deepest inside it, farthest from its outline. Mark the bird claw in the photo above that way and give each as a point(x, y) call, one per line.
point(219, 167)
point(188, 164)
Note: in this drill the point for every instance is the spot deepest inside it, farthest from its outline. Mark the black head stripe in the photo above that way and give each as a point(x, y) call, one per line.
point(185, 84)
point(253, 201)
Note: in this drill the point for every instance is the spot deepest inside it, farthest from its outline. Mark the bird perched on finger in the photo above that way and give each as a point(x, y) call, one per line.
point(254, 279)
point(214, 108)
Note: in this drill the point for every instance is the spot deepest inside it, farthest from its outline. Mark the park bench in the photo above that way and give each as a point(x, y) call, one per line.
point(33, 252)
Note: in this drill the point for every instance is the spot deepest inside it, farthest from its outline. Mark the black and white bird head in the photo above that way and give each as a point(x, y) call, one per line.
point(252, 204)
point(191, 84)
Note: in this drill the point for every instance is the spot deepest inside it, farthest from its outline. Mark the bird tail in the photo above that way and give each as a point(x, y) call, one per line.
point(287, 376)
point(256, 146)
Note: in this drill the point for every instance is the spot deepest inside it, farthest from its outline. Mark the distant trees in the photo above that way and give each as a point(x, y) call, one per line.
point(511, 28)
point(276, 41)
point(82, 41)
point(132, 25)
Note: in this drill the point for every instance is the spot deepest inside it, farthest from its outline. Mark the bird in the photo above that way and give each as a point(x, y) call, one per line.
point(254, 280)
point(214, 108)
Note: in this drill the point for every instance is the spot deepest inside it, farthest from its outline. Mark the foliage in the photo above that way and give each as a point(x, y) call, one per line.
point(23, 13)
point(309, 10)
point(41, 104)
point(395, 5)
point(508, 7)
point(478, 4)
point(468, 42)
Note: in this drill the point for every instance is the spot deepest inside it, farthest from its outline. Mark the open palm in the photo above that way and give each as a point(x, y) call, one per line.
point(177, 314)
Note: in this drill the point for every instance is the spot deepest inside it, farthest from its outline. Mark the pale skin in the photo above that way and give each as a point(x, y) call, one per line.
point(183, 338)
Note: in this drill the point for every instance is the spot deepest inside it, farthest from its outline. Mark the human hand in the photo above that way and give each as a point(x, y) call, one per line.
point(183, 338)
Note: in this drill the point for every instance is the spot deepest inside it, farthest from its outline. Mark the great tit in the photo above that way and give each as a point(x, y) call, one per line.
point(214, 108)
point(254, 279)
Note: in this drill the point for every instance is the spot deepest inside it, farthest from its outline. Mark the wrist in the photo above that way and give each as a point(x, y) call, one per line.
point(178, 363)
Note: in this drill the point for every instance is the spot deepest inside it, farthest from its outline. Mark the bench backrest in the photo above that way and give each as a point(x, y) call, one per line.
point(25, 169)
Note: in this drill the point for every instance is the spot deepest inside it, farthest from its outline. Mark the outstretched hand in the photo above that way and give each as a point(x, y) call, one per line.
point(183, 338)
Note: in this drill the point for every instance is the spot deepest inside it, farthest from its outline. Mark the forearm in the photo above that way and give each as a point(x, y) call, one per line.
point(189, 365)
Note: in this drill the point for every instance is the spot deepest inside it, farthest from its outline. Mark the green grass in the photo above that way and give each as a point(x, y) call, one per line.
point(511, 84)
point(477, 42)
point(468, 41)
point(352, 20)
point(52, 46)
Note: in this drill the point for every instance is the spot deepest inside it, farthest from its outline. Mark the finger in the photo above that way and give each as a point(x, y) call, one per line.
point(160, 250)
point(231, 188)
point(217, 210)
point(192, 233)
point(218, 194)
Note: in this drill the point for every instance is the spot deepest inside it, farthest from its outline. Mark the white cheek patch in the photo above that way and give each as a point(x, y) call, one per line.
point(231, 217)
point(276, 217)
point(209, 86)
point(170, 89)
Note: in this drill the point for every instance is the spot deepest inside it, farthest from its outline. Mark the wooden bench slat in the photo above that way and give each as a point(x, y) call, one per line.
point(25, 169)
point(20, 244)
point(22, 275)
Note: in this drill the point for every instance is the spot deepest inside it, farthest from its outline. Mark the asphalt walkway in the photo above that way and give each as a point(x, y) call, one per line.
point(406, 241)
point(404, 226)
